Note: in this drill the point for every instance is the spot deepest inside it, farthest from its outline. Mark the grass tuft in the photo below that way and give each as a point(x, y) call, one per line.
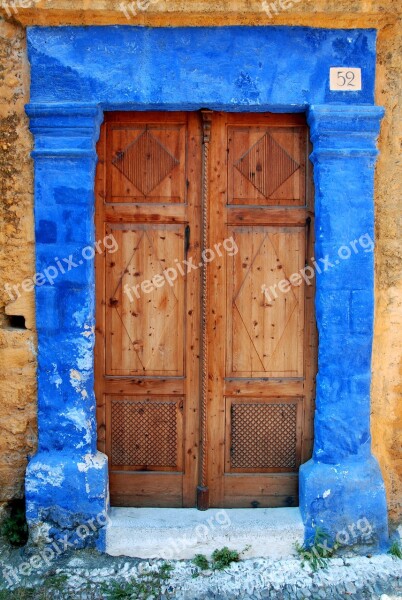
point(396, 549)
point(201, 561)
point(223, 558)
point(318, 550)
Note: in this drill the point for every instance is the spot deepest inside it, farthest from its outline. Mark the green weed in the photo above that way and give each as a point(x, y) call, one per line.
point(318, 550)
point(223, 558)
point(147, 585)
point(14, 527)
point(201, 561)
point(220, 559)
point(396, 549)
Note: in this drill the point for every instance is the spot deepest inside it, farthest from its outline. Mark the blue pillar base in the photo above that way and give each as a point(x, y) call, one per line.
point(67, 493)
point(347, 500)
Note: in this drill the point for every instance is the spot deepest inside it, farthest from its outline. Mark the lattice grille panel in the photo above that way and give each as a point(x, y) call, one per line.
point(144, 433)
point(263, 436)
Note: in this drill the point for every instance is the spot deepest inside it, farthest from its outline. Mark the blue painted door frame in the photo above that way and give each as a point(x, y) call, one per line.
point(76, 74)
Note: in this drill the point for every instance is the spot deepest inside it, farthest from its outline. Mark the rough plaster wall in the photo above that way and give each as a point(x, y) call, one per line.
point(387, 350)
point(17, 376)
point(319, 13)
point(17, 346)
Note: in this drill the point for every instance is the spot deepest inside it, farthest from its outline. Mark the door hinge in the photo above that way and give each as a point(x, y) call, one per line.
point(308, 225)
point(186, 239)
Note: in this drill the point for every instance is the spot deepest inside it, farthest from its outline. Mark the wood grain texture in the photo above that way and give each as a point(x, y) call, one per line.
point(147, 346)
point(266, 165)
point(262, 375)
point(261, 346)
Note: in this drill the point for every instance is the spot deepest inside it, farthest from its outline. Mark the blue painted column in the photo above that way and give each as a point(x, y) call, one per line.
point(66, 481)
point(342, 484)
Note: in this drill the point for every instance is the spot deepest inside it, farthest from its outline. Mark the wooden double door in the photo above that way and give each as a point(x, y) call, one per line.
point(205, 334)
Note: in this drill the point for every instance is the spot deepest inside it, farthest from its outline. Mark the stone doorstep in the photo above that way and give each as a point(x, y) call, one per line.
point(181, 533)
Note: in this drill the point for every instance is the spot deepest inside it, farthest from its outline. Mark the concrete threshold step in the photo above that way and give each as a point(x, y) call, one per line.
point(181, 533)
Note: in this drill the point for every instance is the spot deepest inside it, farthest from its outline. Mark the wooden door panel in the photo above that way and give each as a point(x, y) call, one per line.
point(260, 491)
point(143, 306)
point(261, 330)
point(146, 489)
point(147, 163)
point(263, 434)
point(146, 434)
point(266, 165)
point(262, 376)
point(147, 330)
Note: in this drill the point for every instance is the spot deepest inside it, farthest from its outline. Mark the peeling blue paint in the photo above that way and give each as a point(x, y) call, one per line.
point(79, 71)
point(224, 68)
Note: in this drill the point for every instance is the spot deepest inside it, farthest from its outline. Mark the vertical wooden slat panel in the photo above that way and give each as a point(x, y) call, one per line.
point(192, 316)
point(216, 323)
point(147, 329)
point(100, 271)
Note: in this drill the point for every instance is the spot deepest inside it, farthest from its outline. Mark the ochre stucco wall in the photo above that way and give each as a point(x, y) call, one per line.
point(386, 389)
point(17, 347)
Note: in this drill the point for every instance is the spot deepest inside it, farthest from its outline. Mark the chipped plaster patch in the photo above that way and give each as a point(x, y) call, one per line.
point(78, 381)
point(96, 461)
point(85, 354)
point(85, 362)
point(89, 331)
point(77, 416)
point(55, 377)
point(44, 475)
point(76, 375)
point(80, 316)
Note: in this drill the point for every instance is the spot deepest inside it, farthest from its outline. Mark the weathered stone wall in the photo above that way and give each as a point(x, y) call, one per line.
point(17, 346)
point(387, 355)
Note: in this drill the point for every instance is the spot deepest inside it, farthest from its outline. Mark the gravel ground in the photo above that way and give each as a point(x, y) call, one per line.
point(83, 575)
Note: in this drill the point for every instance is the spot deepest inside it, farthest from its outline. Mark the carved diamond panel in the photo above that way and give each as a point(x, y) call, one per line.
point(145, 162)
point(266, 165)
point(266, 329)
point(140, 318)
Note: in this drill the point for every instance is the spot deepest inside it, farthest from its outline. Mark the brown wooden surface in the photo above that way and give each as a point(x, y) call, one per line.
point(262, 358)
point(261, 331)
point(139, 325)
point(249, 182)
point(261, 353)
point(260, 491)
point(147, 346)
